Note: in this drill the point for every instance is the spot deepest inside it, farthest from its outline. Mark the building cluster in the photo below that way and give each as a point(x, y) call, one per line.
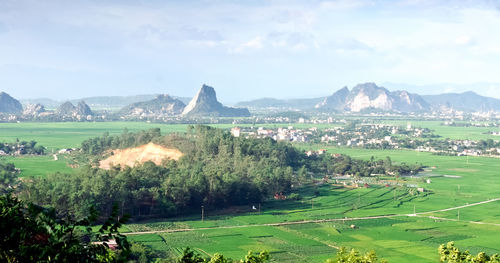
point(461, 148)
point(279, 134)
point(388, 136)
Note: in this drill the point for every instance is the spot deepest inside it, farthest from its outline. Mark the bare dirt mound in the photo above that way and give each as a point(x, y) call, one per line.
point(138, 155)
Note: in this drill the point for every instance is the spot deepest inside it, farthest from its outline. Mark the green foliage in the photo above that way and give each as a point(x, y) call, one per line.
point(139, 253)
point(98, 145)
point(8, 177)
point(451, 254)
point(22, 147)
point(254, 258)
point(294, 196)
point(31, 233)
point(189, 256)
point(344, 164)
point(353, 256)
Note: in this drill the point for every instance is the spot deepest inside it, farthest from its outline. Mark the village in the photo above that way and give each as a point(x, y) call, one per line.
point(374, 136)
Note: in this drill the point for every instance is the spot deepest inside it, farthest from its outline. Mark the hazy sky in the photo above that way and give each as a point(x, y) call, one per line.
point(246, 49)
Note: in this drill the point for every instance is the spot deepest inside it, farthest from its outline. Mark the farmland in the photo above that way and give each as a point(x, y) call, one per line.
point(397, 238)
point(39, 165)
point(454, 181)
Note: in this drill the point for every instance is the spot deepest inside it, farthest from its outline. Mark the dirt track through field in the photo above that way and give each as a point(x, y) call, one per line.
point(422, 214)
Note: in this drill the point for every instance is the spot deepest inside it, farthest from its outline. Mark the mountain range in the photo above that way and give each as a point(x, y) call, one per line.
point(361, 98)
point(161, 105)
point(369, 96)
point(203, 104)
point(100, 102)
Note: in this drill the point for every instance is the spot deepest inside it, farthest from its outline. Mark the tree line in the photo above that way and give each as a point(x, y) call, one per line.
point(21, 148)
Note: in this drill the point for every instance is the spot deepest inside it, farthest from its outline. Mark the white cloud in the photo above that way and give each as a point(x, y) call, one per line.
point(253, 44)
point(464, 40)
point(345, 4)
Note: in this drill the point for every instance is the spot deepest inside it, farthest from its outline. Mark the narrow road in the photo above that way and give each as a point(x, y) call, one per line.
point(421, 214)
point(458, 207)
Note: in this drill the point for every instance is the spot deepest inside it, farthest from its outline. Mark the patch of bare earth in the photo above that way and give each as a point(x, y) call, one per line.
point(139, 155)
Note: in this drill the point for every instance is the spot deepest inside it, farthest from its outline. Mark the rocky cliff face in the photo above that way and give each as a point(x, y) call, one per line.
point(83, 109)
point(68, 109)
point(34, 109)
point(205, 104)
point(161, 105)
point(370, 96)
point(334, 102)
point(9, 104)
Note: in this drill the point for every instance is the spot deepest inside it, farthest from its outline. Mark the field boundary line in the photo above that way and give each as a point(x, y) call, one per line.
point(456, 220)
point(459, 207)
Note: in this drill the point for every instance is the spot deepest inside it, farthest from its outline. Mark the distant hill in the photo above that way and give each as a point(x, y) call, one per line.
point(9, 105)
point(68, 109)
point(334, 102)
point(117, 102)
point(113, 102)
point(34, 109)
point(361, 97)
point(46, 102)
point(205, 104)
point(100, 102)
point(467, 101)
point(370, 96)
point(161, 105)
point(271, 103)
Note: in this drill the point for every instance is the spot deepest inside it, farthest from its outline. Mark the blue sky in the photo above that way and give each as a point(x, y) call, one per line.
point(247, 49)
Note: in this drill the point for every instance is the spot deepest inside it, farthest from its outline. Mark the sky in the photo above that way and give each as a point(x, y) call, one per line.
point(247, 49)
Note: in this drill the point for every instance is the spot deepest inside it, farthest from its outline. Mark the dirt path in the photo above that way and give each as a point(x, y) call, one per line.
point(462, 206)
point(422, 214)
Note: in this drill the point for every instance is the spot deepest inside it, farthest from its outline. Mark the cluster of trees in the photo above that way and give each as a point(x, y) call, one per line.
point(450, 254)
point(487, 144)
point(8, 177)
point(217, 170)
point(354, 256)
point(22, 147)
point(343, 164)
point(189, 256)
point(98, 145)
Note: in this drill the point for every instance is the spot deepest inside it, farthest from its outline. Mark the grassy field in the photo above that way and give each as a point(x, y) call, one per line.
point(70, 134)
point(455, 181)
point(39, 165)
